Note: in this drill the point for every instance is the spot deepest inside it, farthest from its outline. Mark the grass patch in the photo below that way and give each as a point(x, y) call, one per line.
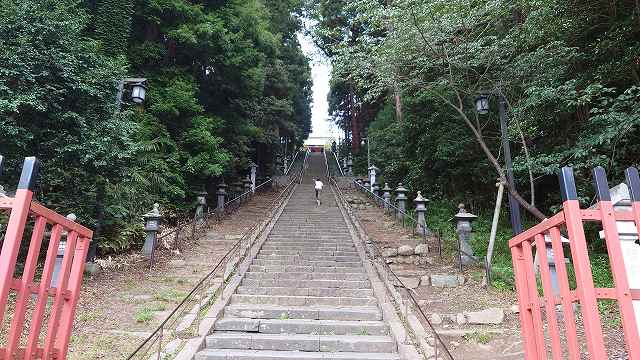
point(479, 337)
point(169, 295)
point(143, 315)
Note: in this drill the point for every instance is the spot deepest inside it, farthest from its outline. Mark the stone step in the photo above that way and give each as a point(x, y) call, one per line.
point(331, 284)
point(284, 300)
point(230, 354)
point(301, 342)
point(310, 247)
point(312, 227)
point(264, 253)
point(304, 276)
point(302, 326)
point(305, 262)
point(272, 242)
point(286, 234)
point(309, 268)
point(301, 291)
point(265, 311)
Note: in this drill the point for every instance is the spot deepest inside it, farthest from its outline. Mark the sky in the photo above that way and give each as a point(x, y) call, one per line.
point(320, 72)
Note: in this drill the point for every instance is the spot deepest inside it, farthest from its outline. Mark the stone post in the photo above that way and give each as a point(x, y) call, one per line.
point(247, 187)
point(421, 211)
point(151, 227)
point(367, 184)
point(349, 166)
point(221, 193)
point(202, 205)
point(253, 168)
point(401, 200)
point(62, 245)
point(373, 171)
point(386, 195)
point(286, 164)
point(344, 166)
point(2, 192)
point(463, 228)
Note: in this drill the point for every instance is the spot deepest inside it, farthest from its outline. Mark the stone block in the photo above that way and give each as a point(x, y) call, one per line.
point(446, 280)
point(422, 249)
point(405, 250)
point(410, 282)
point(389, 252)
point(487, 316)
point(425, 280)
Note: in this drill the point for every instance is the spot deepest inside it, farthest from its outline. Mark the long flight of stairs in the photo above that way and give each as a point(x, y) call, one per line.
point(306, 295)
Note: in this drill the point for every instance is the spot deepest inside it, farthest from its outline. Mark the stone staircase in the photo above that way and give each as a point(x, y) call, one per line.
point(306, 295)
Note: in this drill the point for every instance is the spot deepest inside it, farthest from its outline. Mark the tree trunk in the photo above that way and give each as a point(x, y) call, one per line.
point(398, 101)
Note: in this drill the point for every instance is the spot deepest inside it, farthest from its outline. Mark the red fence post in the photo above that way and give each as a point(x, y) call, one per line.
point(524, 303)
point(65, 295)
point(584, 279)
point(618, 270)
point(549, 297)
point(15, 229)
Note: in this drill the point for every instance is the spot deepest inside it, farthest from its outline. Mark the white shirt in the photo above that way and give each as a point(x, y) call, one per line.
point(319, 185)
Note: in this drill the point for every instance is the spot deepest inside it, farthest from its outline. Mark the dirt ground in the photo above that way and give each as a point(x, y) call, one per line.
point(121, 306)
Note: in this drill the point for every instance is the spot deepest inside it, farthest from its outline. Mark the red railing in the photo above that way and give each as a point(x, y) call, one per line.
point(575, 335)
point(30, 295)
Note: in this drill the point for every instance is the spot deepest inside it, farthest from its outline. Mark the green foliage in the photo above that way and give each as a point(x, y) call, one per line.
point(113, 24)
point(227, 82)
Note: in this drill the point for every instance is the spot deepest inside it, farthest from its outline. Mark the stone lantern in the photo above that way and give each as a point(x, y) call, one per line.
point(421, 211)
point(349, 166)
point(247, 187)
point(221, 194)
point(375, 188)
point(386, 195)
point(401, 200)
point(151, 227)
point(367, 184)
point(373, 171)
point(463, 228)
point(202, 205)
point(253, 167)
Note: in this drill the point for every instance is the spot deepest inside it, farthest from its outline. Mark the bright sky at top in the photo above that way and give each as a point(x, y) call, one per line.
point(320, 72)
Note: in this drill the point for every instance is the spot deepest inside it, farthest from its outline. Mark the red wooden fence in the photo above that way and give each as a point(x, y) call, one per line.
point(572, 335)
point(27, 299)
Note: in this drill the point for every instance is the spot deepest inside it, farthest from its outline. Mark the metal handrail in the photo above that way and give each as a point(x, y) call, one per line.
point(292, 163)
point(326, 163)
point(244, 194)
point(383, 201)
point(304, 164)
point(338, 163)
point(158, 332)
point(405, 214)
point(407, 290)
